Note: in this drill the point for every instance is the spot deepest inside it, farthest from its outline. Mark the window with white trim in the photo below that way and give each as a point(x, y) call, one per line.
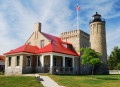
point(42, 43)
point(18, 61)
point(9, 61)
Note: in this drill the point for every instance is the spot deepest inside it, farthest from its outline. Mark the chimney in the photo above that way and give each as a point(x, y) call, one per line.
point(37, 27)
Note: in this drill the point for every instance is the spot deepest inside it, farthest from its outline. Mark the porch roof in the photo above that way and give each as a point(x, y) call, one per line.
point(25, 48)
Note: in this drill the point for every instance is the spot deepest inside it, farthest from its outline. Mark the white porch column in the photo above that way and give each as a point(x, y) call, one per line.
point(63, 61)
point(51, 60)
point(42, 61)
point(73, 62)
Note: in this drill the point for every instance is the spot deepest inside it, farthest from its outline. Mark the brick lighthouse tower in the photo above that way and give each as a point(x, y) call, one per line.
point(98, 41)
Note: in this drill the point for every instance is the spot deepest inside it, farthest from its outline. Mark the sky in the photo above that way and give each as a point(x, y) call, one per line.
point(17, 18)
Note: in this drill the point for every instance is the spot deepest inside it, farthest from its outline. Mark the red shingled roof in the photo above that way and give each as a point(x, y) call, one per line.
point(2, 58)
point(56, 45)
point(25, 48)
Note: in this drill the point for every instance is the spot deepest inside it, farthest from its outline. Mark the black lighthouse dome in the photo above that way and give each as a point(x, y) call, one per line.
point(96, 18)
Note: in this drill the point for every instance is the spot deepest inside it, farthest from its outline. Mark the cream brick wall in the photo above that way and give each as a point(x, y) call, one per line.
point(98, 39)
point(78, 39)
point(13, 69)
point(36, 37)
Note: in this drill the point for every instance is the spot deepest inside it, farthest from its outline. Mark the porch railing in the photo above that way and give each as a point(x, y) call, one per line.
point(63, 70)
point(56, 70)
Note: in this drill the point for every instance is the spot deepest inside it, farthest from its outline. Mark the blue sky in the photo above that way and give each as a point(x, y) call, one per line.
point(17, 18)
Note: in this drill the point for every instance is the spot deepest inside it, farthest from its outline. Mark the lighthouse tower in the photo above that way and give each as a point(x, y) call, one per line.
point(98, 39)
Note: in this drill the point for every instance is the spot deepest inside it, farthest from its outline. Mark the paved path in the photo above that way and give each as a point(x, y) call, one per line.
point(48, 82)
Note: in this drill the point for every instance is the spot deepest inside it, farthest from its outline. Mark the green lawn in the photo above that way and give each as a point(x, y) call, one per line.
point(86, 81)
point(19, 81)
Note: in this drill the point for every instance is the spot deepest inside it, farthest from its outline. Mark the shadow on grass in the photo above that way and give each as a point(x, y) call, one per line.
point(108, 78)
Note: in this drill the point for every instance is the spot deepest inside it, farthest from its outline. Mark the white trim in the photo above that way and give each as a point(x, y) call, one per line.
point(17, 67)
point(63, 61)
point(48, 53)
point(51, 60)
point(42, 63)
point(20, 53)
point(58, 54)
point(9, 67)
point(73, 65)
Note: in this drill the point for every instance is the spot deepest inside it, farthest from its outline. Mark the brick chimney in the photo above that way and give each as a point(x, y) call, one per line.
point(37, 27)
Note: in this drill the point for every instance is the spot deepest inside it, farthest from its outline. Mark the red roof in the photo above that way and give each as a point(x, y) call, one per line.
point(25, 48)
point(56, 46)
point(2, 58)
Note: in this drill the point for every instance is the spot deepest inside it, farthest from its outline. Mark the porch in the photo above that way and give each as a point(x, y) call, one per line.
point(57, 64)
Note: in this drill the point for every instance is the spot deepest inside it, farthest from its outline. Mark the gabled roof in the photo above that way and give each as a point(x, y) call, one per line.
point(2, 58)
point(25, 48)
point(56, 45)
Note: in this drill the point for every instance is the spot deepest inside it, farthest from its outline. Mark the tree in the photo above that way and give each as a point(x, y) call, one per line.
point(114, 58)
point(90, 57)
point(118, 66)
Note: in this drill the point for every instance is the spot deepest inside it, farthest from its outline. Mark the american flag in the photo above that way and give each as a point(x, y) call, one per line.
point(78, 8)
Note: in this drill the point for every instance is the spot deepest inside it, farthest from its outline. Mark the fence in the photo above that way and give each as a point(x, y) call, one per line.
point(114, 71)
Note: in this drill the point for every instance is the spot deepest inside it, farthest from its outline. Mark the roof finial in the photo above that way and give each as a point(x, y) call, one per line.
point(96, 12)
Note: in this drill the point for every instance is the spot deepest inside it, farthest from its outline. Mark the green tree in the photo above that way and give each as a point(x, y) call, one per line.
point(114, 58)
point(90, 57)
point(118, 66)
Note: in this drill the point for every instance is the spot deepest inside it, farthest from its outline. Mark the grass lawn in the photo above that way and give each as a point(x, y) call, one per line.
point(19, 81)
point(86, 81)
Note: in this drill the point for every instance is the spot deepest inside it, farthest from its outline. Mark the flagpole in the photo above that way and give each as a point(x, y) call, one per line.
point(77, 19)
point(78, 8)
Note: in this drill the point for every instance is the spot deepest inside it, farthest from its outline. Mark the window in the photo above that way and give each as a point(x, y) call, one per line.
point(70, 47)
point(9, 61)
point(29, 43)
point(18, 61)
point(28, 61)
point(42, 43)
point(38, 60)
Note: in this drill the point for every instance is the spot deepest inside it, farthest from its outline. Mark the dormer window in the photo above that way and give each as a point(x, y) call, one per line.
point(70, 47)
point(42, 43)
point(67, 46)
point(29, 43)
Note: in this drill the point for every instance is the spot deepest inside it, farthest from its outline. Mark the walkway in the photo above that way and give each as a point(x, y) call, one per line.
point(48, 82)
